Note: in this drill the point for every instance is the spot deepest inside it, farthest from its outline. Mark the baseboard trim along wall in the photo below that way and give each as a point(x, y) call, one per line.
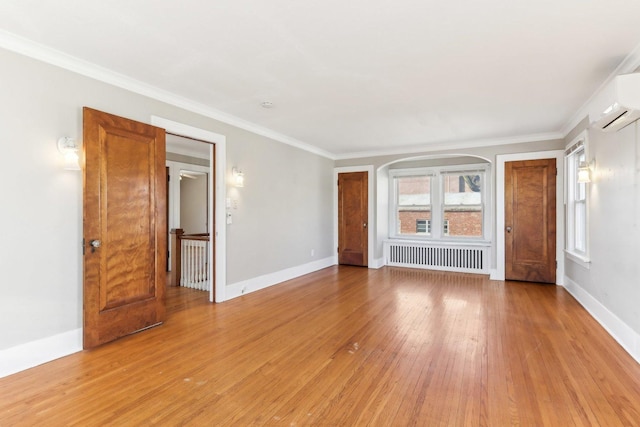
point(378, 263)
point(619, 330)
point(255, 284)
point(34, 353)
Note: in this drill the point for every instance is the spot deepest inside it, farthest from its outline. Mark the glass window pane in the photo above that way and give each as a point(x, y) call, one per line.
point(462, 205)
point(580, 231)
point(581, 188)
point(465, 222)
point(423, 226)
point(581, 191)
point(413, 205)
point(414, 190)
point(462, 189)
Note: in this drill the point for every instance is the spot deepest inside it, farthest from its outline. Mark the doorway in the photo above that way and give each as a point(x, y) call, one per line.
point(498, 273)
point(189, 250)
point(369, 257)
point(194, 201)
point(530, 218)
point(353, 218)
point(217, 194)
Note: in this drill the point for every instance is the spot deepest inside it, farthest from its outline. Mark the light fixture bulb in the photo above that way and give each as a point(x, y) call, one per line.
point(69, 149)
point(238, 177)
point(584, 174)
point(71, 161)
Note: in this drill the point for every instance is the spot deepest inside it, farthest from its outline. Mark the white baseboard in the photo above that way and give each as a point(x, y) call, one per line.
point(620, 331)
point(494, 275)
point(34, 353)
point(378, 263)
point(255, 284)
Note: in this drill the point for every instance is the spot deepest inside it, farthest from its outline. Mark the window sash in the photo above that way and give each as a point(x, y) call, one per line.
point(406, 211)
point(577, 205)
point(402, 225)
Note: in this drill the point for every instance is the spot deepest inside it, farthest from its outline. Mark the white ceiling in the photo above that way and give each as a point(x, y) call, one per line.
point(353, 76)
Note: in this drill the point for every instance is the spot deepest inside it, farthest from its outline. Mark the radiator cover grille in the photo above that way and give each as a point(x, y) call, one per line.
point(468, 259)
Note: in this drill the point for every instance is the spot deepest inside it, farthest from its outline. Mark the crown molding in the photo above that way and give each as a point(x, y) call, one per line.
point(60, 59)
point(453, 145)
point(629, 65)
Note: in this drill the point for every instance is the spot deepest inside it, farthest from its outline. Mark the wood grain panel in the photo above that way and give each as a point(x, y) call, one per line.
point(353, 218)
point(124, 208)
point(530, 218)
point(347, 346)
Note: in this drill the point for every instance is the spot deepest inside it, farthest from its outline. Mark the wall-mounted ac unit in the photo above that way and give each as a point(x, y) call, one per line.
point(621, 99)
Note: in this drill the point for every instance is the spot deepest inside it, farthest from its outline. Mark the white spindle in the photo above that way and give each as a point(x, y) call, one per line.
point(195, 271)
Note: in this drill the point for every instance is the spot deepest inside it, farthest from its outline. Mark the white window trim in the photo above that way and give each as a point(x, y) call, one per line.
point(437, 206)
point(579, 257)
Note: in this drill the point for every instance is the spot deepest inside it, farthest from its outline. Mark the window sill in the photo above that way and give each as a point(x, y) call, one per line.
point(439, 242)
point(580, 260)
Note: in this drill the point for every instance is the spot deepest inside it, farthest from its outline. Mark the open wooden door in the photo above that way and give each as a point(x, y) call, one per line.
point(530, 220)
point(353, 213)
point(124, 226)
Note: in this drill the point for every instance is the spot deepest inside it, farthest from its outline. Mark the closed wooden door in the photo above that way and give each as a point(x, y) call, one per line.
point(353, 218)
point(530, 220)
point(124, 226)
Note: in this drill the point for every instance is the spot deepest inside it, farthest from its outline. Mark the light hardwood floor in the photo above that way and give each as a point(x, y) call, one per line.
point(347, 346)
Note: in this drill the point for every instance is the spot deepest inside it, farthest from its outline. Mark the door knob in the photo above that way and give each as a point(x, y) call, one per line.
point(509, 229)
point(95, 244)
point(364, 225)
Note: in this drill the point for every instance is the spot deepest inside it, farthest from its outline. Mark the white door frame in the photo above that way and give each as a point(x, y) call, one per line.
point(501, 159)
point(370, 204)
point(219, 234)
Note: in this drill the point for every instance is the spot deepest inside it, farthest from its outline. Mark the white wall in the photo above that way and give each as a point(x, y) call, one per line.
point(284, 210)
point(193, 204)
point(609, 286)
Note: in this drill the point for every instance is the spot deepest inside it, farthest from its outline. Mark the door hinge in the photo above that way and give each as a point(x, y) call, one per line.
point(338, 249)
point(168, 178)
point(82, 246)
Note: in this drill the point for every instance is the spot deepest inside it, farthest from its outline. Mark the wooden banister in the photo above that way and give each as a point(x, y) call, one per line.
point(176, 235)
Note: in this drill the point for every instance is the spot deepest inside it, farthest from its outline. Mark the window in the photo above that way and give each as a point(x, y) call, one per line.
point(437, 203)
point(413, 205)
point(423, 226)
point(462, 204)
point(576, 199)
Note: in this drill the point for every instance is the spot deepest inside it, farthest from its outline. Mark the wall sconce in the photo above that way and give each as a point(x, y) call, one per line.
point(69, 149)
point(584, 172)
point(238, 177)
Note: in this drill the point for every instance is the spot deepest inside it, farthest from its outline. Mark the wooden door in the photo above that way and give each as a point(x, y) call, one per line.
point(353, 218)
point(124, 226)
point(166, 210)
point(530, 220)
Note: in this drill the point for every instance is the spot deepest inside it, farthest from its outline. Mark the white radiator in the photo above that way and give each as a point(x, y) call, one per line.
point(461, 258)
point(194, 267)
